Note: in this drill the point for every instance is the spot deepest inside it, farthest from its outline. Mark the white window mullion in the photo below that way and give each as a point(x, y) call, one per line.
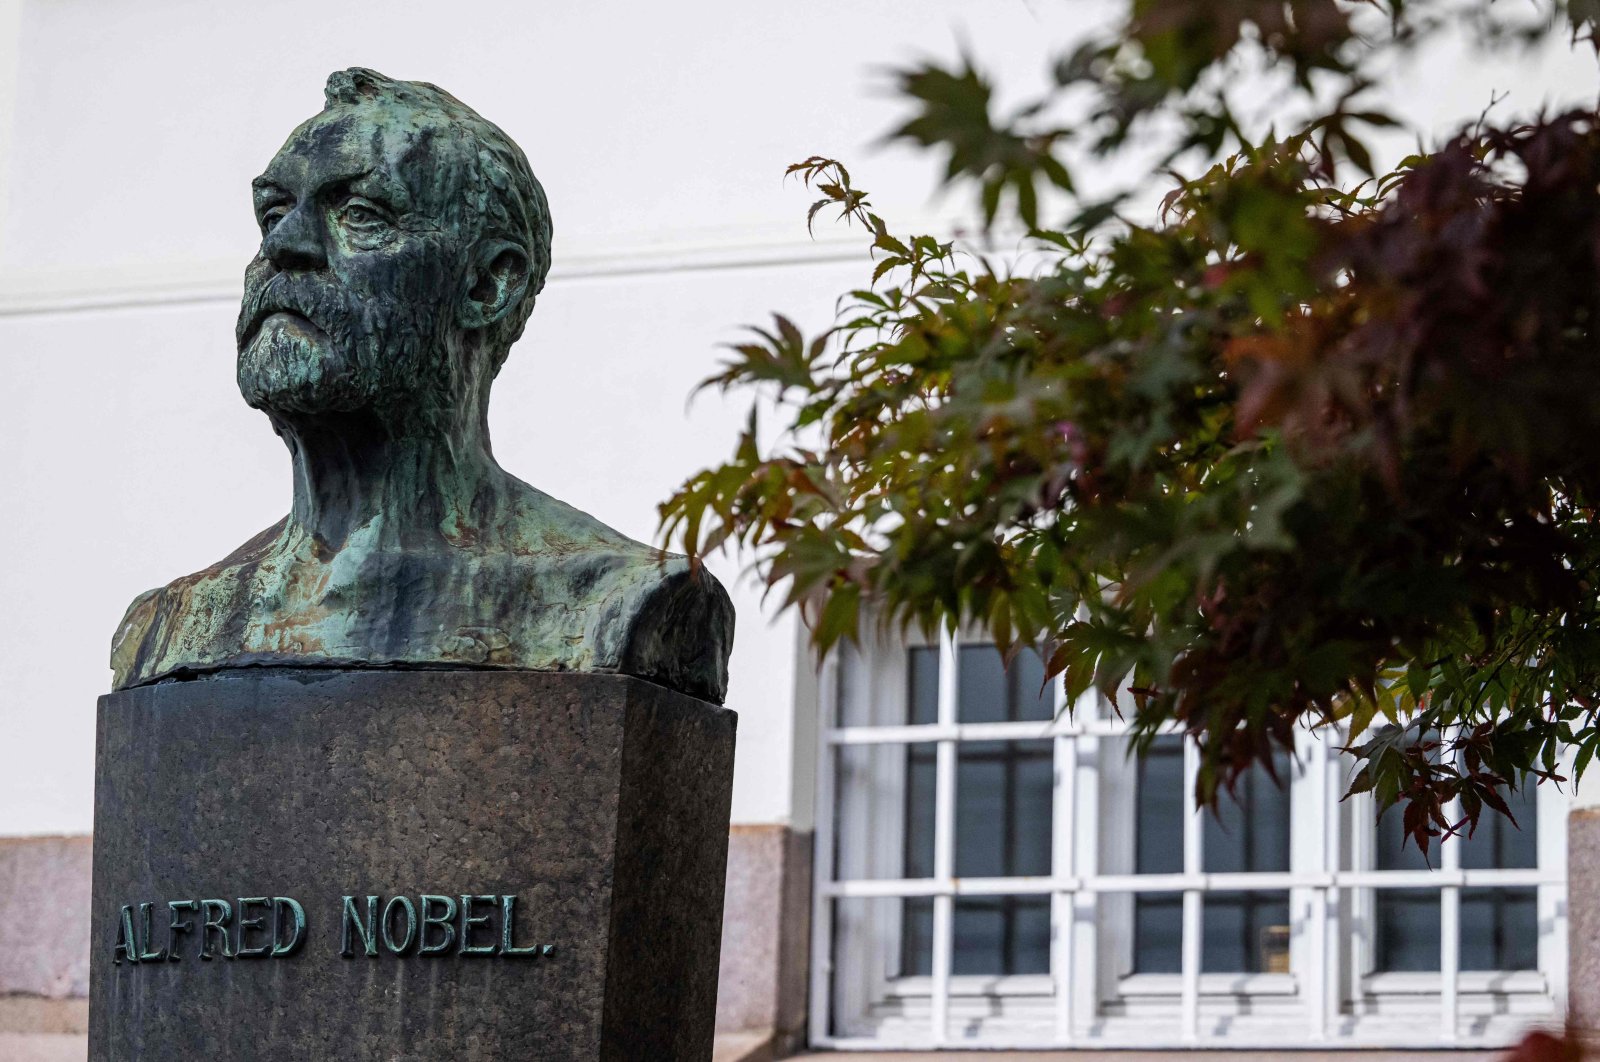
point(1329, 899)
point(822, 957)
point(1090, 967)
point(1551, 842)
point(944, 838)
point(1193, 864)
point(1450, 934)
point(1063, 839)
point(1316, 973)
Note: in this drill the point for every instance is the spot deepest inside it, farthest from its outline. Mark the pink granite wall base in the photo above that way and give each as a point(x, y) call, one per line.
point(765, 934)
point(44, 916)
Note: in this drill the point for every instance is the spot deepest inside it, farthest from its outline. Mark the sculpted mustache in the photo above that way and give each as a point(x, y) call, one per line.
point(322, 302)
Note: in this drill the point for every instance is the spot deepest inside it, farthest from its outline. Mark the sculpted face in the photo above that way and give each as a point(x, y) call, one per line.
point(360, 292)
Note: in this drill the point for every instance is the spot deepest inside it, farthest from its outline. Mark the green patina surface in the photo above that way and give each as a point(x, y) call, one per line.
point(404, 239)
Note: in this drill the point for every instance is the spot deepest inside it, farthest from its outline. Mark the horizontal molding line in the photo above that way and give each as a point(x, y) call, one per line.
point(1218, 881)
point(116, 294)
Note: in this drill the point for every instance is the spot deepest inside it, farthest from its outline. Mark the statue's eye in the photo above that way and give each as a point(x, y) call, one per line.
point(271, 216)
point(361, 215)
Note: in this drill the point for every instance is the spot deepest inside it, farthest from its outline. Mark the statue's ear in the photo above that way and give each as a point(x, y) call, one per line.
point(496, 284)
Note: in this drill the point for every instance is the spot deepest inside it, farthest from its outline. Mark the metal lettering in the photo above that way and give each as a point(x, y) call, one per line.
point(145, 954)
point(245, 950)
point(508, 921)
point(469, 921)
point(402, 929)
point(368, 933)
point(411, 925)
point(282, 949)
point(127, 943)
point(219, 924)
point(176, 928)
point(445, 922)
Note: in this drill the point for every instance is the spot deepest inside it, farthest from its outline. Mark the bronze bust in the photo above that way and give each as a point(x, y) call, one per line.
point(404, 239)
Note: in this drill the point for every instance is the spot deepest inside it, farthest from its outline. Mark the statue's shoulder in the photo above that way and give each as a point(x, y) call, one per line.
point(650, 613)
point(159, 619)
point(132, 634)
point(680, 628)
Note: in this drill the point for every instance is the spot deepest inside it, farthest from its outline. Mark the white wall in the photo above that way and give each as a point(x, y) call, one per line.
point(660, 132)
point(129, 133)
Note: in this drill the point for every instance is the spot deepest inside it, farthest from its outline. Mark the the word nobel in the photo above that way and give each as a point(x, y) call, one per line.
point(431, 927)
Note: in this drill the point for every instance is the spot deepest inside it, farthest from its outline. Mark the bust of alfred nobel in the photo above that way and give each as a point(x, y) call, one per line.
point(403, 240)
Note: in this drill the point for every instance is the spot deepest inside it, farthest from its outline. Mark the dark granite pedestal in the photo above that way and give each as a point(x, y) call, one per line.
point(591, 808)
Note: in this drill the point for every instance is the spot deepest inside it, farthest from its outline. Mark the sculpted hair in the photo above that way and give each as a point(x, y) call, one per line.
point(500, 186)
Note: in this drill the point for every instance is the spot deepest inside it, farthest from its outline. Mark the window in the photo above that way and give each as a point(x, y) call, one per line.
point(1242, 931)
point(992, 872)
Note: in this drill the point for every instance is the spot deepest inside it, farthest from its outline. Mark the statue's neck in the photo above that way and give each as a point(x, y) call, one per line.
point(415, 485)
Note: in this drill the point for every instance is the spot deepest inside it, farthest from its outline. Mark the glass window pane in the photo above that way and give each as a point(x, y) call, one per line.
point(981, 696)
point(992, 936)
point(883, 815)
point(1499, 927)
point(1158, 829)
point(1158, 933)
point(1245, 932)
point(1406, 931)
point(855, 686)
point(920, 760)
point(1406, 921)
point(1250, 829)
point(991, 693)
point(922, 698)
point(1496, 843)
point(1242, 932)
point(1002, 935)
point(1031, 696)
point(916, 936)
point(1003, 808)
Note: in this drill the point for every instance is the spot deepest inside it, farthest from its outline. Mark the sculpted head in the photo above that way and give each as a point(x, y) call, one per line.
point(404, 239)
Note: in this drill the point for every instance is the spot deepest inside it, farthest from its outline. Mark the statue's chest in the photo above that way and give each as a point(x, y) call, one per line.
point(472, 609)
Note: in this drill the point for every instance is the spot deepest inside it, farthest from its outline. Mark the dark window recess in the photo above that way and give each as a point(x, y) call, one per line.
point(1242, 932)
point(1499, 927)
point(992, 693)
point(1002, 820)
point(922, 698)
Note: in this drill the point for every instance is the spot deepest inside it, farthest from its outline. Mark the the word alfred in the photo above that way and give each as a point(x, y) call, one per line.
point(219, 933)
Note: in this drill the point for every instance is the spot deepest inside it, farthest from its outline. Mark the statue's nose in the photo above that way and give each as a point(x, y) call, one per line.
point(295, 242)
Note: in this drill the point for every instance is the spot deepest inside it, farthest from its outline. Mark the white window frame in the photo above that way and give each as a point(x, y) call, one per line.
point(1088, 999)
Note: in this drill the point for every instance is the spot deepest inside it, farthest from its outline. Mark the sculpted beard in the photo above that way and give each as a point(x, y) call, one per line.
point(377, 352)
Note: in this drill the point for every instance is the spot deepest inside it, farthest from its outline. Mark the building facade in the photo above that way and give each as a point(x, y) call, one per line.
point(926, 852)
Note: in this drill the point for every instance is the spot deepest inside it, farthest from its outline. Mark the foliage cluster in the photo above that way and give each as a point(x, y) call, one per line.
point(1308, 444)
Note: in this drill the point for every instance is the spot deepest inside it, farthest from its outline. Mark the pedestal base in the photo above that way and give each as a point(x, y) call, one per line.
point(416, 865)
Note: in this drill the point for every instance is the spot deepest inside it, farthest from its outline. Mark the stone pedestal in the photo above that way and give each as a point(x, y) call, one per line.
point(340, 851)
